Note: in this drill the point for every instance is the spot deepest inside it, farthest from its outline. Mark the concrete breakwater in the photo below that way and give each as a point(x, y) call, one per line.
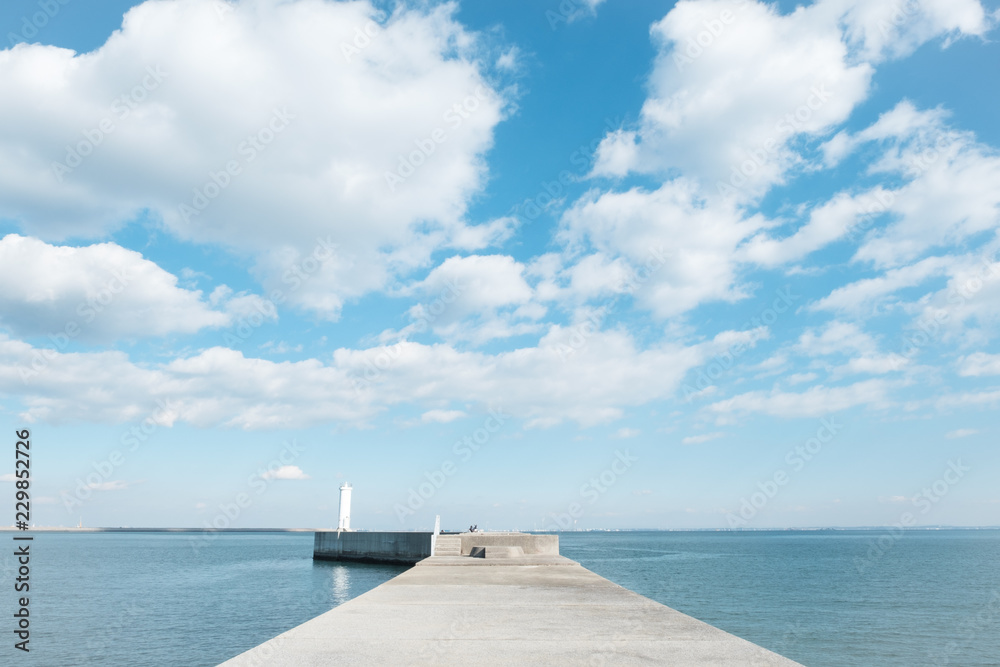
point(517, 608)
point(409, 548)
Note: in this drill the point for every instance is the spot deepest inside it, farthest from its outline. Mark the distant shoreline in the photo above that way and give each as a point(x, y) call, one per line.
point(60, 529)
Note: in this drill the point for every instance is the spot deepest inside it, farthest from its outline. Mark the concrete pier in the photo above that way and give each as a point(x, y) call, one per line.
point(534, 609)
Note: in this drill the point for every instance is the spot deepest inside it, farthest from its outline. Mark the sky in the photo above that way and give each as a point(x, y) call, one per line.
point(589, 264)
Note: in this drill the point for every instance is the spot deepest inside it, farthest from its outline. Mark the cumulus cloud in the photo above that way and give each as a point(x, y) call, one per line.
point(441, 416)
point(256, 118)
point(698, 439)
point(736, 83)
point(960, 433)
point(285, 472)
point(949, 193)
point(870, 296)
point(542, 385)
point(100, 292)
point(814, 402)
point(979, 364)
point(688, 241)
point(476, 298)
point(737, 92)
point(836, 338)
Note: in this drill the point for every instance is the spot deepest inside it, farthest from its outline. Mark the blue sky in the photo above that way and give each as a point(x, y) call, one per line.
point(592, 264)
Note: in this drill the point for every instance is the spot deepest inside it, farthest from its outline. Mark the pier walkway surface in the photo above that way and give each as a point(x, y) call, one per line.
point(527, 610)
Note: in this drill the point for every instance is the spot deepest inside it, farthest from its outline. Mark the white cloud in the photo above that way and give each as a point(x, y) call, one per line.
point(960, 433)
point(329, 124)
point(616, 154)
point(735, 82)
point(972, 294)
point(949, 192)
point(733, 101)
point(827, 222)
point(285, 472)
point(8, 477)
point(476, 298)
point(688, 241)
point(979, 364)
point(626, 432)
point(703, 437)
point(990, 397)
point(814, 402)
point(112, 485)
point(871, 296)
point(874, 364)
point(889, 28)
point(101, 292)
point(836, 338)
point(441, 416)
point(542, 385)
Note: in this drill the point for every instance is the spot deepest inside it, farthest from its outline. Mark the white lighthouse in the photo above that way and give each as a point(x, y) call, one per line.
point(345, 508)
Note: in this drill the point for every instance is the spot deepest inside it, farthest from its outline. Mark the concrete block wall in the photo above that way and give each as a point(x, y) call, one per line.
point(373, 547)
point(531, 544)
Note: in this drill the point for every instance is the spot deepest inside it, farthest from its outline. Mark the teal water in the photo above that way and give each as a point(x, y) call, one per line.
point(822, 598)
point(170, 599)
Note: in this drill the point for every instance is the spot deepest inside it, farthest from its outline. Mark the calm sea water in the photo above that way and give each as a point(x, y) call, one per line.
point(845, 598)
point(926, 598)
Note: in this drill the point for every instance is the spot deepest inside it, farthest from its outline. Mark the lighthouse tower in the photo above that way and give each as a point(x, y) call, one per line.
point(345, 508)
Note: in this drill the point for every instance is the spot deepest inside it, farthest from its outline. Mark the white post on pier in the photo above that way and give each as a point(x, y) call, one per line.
point(345, 508)
point(437, 531)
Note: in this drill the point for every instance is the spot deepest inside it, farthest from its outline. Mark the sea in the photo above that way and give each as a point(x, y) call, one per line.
point(822, 598)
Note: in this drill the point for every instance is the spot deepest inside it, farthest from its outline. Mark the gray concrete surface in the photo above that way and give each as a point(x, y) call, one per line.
point(537, 609)
point(531, 544)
